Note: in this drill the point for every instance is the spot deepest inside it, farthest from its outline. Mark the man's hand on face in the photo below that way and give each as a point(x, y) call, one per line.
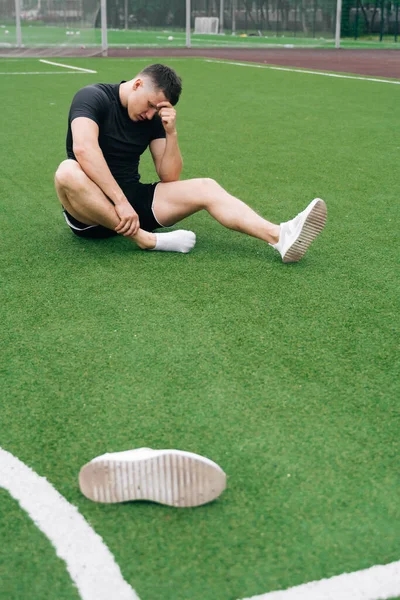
point(129, 224)
point(168, 116)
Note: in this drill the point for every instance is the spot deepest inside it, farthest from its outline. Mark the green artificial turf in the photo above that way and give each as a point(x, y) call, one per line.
point(75, 35)
point(286, 375)
point(29, 567)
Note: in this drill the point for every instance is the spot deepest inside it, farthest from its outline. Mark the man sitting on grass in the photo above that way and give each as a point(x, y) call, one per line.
point(109, 127)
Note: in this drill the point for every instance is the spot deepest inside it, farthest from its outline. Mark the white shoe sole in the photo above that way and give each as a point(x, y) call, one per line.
point(312, 227)
point(170, 477)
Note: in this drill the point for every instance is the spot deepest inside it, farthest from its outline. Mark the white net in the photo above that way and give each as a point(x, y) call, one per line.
point(206, 25)
point(52, 23)
point(7, 24)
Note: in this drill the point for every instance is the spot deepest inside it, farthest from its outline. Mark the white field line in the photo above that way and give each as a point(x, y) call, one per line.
point(246, 45)
point(257, 66)
point(57, 64)
point(93, 569)
point(41, 73)
point(89, 562)
point(380, 582)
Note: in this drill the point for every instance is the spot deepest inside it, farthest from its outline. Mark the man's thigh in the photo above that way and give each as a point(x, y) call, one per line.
point(178, 199)
point(74, 188)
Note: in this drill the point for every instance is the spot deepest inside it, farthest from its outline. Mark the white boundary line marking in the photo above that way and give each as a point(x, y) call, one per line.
point(380, 582)
point(90, 563)
point(49, 62)
point(41, 73)
point(257, 66)
point(97, 576)
point(221, 43)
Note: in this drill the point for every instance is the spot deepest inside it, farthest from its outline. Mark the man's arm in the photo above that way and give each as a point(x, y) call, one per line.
point(85, 133)
point(165, 151)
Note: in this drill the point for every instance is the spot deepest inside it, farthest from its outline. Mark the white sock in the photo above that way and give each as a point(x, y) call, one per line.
point(175, 241)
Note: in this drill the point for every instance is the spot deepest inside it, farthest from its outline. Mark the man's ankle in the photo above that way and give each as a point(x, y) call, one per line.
point(275, 235)
point(144, 239)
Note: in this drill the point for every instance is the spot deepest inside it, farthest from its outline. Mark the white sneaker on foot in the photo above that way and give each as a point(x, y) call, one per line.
point(171, 477)
point(296, 235)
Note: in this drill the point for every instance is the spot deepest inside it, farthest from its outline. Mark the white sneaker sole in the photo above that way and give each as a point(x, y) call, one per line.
point(312, 227)
point(170, 477)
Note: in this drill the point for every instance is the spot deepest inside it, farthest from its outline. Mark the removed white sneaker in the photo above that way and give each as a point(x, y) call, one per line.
point(296, 235)
point(171, 477)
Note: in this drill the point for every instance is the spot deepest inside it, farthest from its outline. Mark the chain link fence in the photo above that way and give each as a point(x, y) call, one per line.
point(162, 22)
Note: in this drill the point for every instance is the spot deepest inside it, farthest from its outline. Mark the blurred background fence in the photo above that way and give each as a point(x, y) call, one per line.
point(148, 22)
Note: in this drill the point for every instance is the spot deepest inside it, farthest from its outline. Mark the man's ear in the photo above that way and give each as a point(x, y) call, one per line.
point(137, 84)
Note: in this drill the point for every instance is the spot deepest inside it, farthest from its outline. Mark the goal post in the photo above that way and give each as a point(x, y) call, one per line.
point(206, 25)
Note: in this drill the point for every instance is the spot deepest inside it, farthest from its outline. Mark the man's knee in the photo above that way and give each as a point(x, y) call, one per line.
point(206, 190)
point(68, 174)
point(207, 183)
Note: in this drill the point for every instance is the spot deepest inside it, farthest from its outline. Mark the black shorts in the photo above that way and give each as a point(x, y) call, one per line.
point(139, 195)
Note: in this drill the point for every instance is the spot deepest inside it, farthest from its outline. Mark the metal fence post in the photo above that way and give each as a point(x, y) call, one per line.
point(188, 15)
point(18, 22)
point(104, 42)
point(382, 20)
point(356, 21)
point(338, 23)
point(314, 17)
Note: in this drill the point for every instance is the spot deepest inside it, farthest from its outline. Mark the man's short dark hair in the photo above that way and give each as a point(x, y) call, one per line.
point(166, 80)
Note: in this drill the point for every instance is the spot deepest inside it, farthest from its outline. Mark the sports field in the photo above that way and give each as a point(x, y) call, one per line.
point(74, 35)
point(286, 375)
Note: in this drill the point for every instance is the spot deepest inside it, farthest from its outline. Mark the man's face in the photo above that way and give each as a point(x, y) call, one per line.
point(143, 99)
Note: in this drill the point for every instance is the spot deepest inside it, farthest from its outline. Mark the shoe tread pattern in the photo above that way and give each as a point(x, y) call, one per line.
point(170, 479)
point(313, 225)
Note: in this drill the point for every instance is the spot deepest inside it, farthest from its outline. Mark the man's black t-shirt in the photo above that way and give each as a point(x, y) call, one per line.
point(121, 140)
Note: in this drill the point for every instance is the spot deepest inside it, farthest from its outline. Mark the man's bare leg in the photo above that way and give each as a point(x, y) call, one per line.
point(291, 239)
point(85, 201)
point(179, 199)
